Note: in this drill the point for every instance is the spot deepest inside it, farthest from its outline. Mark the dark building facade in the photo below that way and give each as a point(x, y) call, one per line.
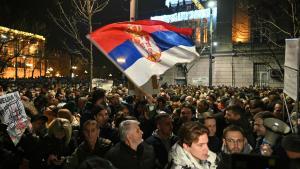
point(241, 57)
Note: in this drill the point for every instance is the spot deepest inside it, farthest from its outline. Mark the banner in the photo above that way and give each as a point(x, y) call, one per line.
point(291, 67)
point(292, 53)
point(102, 83)
point(12, 113)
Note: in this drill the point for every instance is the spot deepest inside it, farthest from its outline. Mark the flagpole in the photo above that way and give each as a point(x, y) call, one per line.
point(210, 5)
point(133, 17)
point(139, 89)
point(133, 10)
point(211, 49)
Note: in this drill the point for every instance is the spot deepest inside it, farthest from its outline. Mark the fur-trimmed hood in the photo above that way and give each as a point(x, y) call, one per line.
point(182, 159)
point(247, 149)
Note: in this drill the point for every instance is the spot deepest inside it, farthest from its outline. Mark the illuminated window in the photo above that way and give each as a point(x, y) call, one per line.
point(241, 26)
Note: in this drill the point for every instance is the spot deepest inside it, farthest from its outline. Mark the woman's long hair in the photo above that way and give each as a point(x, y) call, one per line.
point(61, 125)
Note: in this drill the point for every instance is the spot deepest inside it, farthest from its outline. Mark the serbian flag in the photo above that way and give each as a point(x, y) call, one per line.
point(144, 48)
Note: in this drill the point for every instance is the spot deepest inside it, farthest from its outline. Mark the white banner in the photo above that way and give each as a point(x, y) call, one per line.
point(292, 53)
point(107, 85)
point(12, 113)
point(102, 83)
point(97, 83)
point(290, 82)
point(291, 67)
point(203, 81)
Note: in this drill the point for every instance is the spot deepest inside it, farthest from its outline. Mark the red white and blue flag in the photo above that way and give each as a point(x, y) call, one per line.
point(144, 48)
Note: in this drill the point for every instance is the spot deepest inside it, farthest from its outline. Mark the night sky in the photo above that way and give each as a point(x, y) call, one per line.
point(32, 15)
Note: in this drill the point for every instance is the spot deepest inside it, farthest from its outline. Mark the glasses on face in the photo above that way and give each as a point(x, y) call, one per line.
point(234, 141)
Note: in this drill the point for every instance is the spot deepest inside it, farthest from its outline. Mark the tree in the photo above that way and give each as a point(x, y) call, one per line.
point(276, 20)
point(77, 22)
point(271, 23)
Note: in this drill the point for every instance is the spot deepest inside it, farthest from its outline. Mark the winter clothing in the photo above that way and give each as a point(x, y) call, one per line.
point(225, 158)
point(123, 157)
point(83, 152)
point(53, 146)
point(214, 144)
point(181, 159)
point(161, 147)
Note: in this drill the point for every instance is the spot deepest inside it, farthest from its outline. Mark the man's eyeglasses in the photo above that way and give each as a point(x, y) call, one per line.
point(233, 141)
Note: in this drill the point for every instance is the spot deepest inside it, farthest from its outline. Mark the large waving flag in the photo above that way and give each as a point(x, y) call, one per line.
point(144, 48)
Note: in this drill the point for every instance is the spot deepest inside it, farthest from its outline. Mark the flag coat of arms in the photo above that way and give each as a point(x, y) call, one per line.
point(144, 48)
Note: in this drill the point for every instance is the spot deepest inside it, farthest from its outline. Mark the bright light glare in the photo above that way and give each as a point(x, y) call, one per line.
point(211, 4)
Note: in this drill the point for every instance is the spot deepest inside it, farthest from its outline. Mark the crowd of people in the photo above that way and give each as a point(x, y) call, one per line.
point(181, 127)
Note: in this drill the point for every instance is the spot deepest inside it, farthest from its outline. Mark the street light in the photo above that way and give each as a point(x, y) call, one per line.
point(57, 74)
point(3, 36)
point(29, 65)
point(73, 68)
point(50, 69)
point(211, 5)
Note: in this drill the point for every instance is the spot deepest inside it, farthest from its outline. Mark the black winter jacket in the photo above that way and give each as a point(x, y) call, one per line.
point(123, 157)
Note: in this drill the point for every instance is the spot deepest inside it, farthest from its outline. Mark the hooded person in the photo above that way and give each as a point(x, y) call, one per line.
point(234, 142)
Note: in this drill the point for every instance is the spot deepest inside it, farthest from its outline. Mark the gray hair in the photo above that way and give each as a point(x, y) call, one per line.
point(125, 127)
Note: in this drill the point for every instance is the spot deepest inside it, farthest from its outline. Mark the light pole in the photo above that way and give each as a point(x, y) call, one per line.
point(210, 4)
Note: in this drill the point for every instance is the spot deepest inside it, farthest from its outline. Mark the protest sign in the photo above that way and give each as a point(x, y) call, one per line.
point(291, 68)
point(12, 113)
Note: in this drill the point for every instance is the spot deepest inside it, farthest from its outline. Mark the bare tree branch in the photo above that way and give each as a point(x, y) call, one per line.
point(276, 26)
point(81, 16)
